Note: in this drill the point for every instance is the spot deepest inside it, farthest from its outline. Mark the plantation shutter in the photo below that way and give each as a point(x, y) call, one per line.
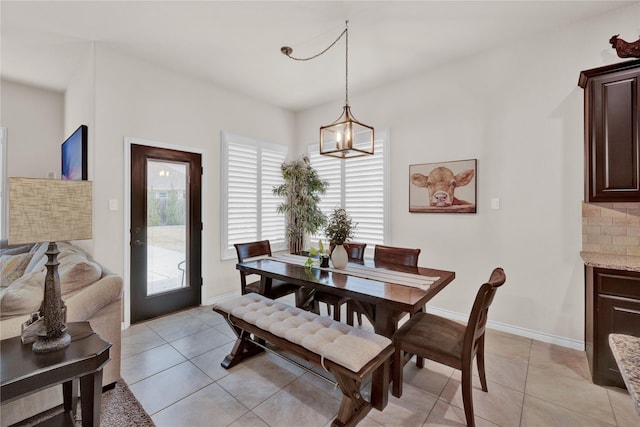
point(273, 223)
point(364, 196)
point(358, 185)
point(250, 171)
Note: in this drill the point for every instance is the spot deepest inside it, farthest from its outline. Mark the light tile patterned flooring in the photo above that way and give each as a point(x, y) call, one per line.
point(172, 365)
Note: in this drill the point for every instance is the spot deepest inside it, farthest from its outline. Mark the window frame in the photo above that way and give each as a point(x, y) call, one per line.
point(226, 139)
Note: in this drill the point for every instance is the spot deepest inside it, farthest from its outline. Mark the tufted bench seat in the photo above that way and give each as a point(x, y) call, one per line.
point(348, 353)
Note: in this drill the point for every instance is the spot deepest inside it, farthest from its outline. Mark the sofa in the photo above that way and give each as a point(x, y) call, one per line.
point(91, 293)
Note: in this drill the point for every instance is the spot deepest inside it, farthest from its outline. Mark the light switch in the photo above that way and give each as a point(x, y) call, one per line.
point(113, 204)
point(495, 203)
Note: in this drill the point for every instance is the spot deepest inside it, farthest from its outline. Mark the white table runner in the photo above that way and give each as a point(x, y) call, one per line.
point(365, 272)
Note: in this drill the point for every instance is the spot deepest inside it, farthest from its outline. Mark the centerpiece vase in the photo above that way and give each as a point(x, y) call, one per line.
point(339, 257)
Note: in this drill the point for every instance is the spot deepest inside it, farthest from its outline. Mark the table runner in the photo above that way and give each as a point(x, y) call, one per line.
point(365, 272)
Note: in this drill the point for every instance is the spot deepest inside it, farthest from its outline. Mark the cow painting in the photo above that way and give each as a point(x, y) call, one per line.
point(443, 187)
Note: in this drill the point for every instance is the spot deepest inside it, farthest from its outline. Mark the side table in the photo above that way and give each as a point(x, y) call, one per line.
point(24, 372)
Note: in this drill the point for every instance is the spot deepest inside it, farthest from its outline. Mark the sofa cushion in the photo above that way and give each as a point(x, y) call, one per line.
point(13, 267)
point(23, 296)
point(77, 272)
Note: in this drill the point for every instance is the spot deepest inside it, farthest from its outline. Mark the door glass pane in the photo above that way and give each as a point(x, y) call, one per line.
point(166, 226)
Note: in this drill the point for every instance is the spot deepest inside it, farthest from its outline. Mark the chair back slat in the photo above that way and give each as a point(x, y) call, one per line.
point(252, 249)
point(480, 312)
point(396, 255)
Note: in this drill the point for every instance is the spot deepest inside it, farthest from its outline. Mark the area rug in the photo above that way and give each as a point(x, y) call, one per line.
point(119, 408)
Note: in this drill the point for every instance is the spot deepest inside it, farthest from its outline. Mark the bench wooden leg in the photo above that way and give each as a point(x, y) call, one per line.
point(353, 407)
point(242, 349)
point(380, 385)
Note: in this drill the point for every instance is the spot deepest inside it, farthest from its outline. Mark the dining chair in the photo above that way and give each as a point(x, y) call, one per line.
point(396, 255)
point(261, 249)
point(355, 252)
point(386, 255)
point(448, 342)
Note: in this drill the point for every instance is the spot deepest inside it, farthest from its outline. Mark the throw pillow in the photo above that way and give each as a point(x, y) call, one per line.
point(77, 272)
point(13, 267)
point(23, 296)
point(15, 250)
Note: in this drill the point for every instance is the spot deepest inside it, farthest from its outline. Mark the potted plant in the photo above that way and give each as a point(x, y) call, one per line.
point(301, 189)
point(339, 230)
point(321, 252)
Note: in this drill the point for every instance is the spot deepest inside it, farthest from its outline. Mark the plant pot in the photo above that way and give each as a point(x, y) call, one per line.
point(339, 257)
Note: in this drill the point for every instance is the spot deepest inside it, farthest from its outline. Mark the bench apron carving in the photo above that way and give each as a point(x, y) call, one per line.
point(349, 354)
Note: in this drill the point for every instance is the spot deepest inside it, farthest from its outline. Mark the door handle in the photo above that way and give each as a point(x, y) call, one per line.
point(138, 242)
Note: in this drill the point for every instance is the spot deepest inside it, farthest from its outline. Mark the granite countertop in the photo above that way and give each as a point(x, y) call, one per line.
point(615, 262)
point(626, 351)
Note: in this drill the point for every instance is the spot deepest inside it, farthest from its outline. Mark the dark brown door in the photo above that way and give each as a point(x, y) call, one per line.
point(166, 229)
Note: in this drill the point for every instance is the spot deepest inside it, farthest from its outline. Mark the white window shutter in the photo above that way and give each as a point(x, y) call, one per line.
point(358, 185)
point(250, 171)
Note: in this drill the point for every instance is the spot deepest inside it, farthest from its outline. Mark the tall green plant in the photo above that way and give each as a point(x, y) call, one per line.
point(301, 189)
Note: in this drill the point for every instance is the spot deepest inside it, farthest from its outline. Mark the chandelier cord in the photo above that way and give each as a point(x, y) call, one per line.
point(287, 51)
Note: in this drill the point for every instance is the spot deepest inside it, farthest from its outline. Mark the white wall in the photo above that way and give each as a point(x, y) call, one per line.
point(34, 121)
point(519, 111)
point(136, 99)
point(79, 100)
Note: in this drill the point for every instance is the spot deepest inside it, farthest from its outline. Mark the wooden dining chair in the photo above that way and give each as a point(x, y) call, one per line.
point(278, 288)
point(386, 255)
point(355, 252)
point(448, 342)
point(396, 255)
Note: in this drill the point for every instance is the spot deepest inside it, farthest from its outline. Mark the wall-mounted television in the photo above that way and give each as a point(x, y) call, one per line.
point(74, 155)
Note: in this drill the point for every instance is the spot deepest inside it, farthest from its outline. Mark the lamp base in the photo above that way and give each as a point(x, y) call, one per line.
point(45, 344)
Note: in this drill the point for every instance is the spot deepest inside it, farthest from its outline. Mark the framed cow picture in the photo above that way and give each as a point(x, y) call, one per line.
point(446, 187)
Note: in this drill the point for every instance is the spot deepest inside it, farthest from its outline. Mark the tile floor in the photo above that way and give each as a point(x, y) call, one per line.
point(172, 365)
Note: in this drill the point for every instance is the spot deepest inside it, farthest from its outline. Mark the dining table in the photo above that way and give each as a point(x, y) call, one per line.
point(391, 290)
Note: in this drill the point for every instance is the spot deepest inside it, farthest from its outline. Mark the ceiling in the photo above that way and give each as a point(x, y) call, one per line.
point(236, 44)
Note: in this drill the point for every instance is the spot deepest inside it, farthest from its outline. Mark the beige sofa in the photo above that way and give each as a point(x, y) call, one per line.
point(91, 293)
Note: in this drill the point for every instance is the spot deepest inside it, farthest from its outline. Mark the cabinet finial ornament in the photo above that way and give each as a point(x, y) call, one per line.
point(625, 49)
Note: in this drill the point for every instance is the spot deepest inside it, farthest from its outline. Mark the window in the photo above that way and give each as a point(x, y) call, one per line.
point(361, 186)
point(250, 170)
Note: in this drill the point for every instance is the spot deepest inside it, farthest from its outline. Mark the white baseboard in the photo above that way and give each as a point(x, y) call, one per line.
point(221, 297)
point(515, 330)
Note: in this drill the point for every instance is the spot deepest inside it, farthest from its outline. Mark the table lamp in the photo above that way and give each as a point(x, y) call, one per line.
point(49, 210)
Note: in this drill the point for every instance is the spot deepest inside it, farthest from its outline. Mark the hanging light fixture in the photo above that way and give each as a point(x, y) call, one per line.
point(346, 137)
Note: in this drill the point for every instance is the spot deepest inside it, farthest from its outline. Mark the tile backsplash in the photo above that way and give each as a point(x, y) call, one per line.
point(611, 228)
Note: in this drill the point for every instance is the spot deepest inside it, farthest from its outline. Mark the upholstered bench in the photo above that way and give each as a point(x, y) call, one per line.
point(348, 353)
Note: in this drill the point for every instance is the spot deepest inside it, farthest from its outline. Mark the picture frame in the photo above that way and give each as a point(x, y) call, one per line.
point(443, 187)
point(74, 155)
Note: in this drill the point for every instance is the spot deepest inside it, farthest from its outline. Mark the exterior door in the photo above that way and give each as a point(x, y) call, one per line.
point(166, 229)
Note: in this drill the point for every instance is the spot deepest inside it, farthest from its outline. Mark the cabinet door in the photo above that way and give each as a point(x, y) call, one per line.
point(616, 315)
point(617, 310)
point(613, 137)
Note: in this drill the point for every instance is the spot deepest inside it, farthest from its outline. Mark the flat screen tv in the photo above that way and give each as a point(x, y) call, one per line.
point(74, 155)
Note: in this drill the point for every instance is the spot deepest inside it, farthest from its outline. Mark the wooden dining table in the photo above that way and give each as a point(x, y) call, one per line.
point(391, 299)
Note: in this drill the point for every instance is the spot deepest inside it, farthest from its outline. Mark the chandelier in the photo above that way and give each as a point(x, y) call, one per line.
point(346, 137)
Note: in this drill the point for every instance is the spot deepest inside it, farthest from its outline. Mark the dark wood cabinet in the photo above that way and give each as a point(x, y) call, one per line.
point(612, 132)
point(612, 305)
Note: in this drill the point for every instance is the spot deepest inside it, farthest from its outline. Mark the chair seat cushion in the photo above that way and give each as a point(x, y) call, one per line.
point(431, 336)
point(279, 288)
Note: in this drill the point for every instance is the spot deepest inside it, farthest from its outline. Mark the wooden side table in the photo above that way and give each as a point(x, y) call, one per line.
point(24, 372)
